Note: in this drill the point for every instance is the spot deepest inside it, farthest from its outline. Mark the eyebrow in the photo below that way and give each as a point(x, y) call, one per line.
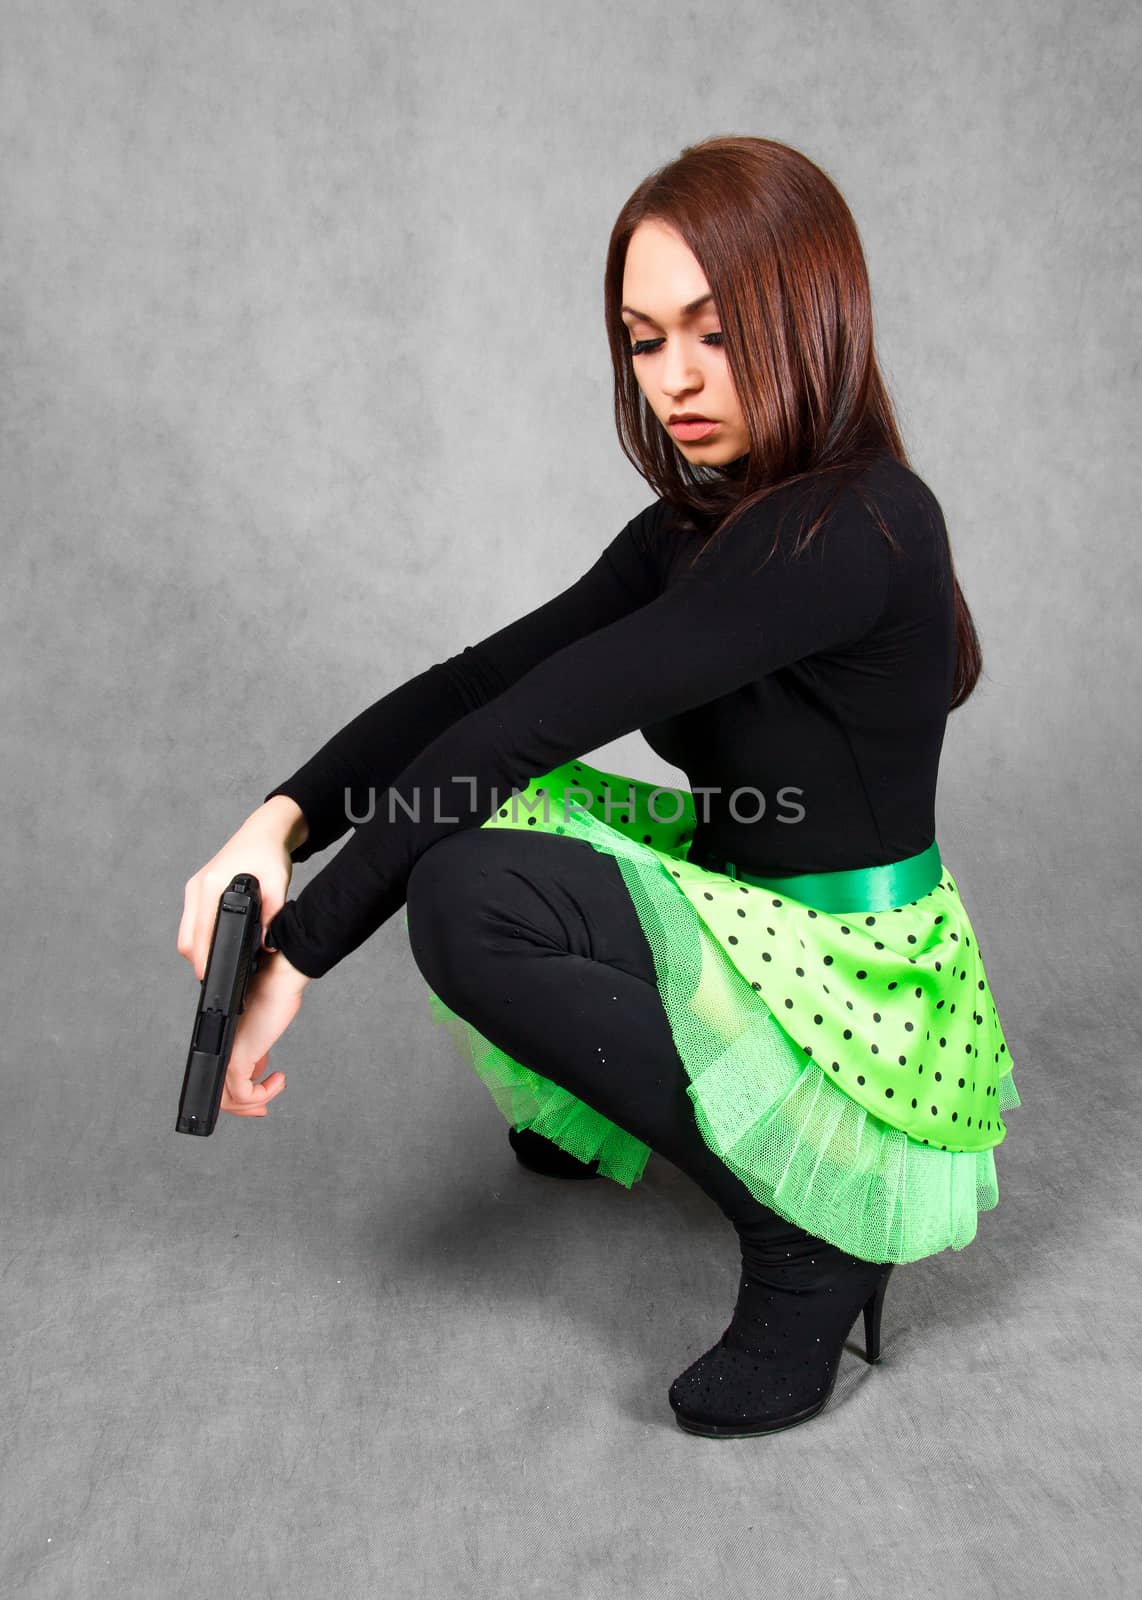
point(687, 310)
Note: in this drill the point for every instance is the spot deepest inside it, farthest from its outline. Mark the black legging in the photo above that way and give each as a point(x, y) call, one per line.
point(533, 938)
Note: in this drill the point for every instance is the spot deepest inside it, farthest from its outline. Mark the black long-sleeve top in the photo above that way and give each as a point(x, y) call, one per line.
point(820, 681)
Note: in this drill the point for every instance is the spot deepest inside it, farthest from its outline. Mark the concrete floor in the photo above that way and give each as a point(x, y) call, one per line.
point(354, 1348)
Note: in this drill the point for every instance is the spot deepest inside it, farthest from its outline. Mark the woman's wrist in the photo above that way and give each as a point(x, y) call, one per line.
point(286, 818)
point(288, 972)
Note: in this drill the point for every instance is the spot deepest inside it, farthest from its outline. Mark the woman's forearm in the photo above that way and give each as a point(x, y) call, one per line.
point(336, 785)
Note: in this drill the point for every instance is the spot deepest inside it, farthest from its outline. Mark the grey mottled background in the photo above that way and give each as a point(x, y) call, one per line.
point(304, 386)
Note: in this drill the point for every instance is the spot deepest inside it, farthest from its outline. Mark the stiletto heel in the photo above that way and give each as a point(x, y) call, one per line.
point(874, 1305)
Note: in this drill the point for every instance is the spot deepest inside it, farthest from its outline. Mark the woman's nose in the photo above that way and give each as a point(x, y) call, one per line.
point(680, 375)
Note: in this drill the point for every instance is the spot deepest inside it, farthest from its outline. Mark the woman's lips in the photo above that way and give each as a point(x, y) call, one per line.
point(692, 430)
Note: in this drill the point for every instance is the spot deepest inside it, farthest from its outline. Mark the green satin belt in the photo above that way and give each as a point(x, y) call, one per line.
point(896, 883)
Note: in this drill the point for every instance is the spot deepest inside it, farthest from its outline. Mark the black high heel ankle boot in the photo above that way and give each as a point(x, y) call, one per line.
point(776, 1364)
point(538, 1154)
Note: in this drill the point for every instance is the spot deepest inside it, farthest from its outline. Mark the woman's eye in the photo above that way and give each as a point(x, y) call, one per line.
point(641, 347)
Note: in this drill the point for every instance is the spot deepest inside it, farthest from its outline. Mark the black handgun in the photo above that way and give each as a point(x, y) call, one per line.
point(232, 962)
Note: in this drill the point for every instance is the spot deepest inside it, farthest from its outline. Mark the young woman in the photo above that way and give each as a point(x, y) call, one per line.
point(768, 976)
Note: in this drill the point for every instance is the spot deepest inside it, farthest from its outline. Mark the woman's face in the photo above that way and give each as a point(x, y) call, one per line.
point(676, 346)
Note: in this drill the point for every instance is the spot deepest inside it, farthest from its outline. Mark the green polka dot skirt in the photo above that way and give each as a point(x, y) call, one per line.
point(850, 1068)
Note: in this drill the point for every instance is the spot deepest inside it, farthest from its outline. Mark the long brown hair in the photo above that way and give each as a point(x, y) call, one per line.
point(784, 260)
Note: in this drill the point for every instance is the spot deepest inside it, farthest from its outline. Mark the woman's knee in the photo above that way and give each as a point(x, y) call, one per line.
point(443, 896)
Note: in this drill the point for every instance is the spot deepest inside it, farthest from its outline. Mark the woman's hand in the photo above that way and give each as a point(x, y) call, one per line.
point(273, 999)
point(262, 847)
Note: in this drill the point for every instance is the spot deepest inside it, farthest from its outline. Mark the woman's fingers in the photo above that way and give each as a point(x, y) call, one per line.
point(199, 911)
point(246, 1098)
point(257, 848)
point(250, 1104)
point(240, 1081)
point(185, 940)
point(272, 1002)
point(196, 926)
point(244, 1111)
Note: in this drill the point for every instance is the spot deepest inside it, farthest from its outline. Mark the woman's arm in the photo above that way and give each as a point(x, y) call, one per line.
point(702, 637)
point(369, 752)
